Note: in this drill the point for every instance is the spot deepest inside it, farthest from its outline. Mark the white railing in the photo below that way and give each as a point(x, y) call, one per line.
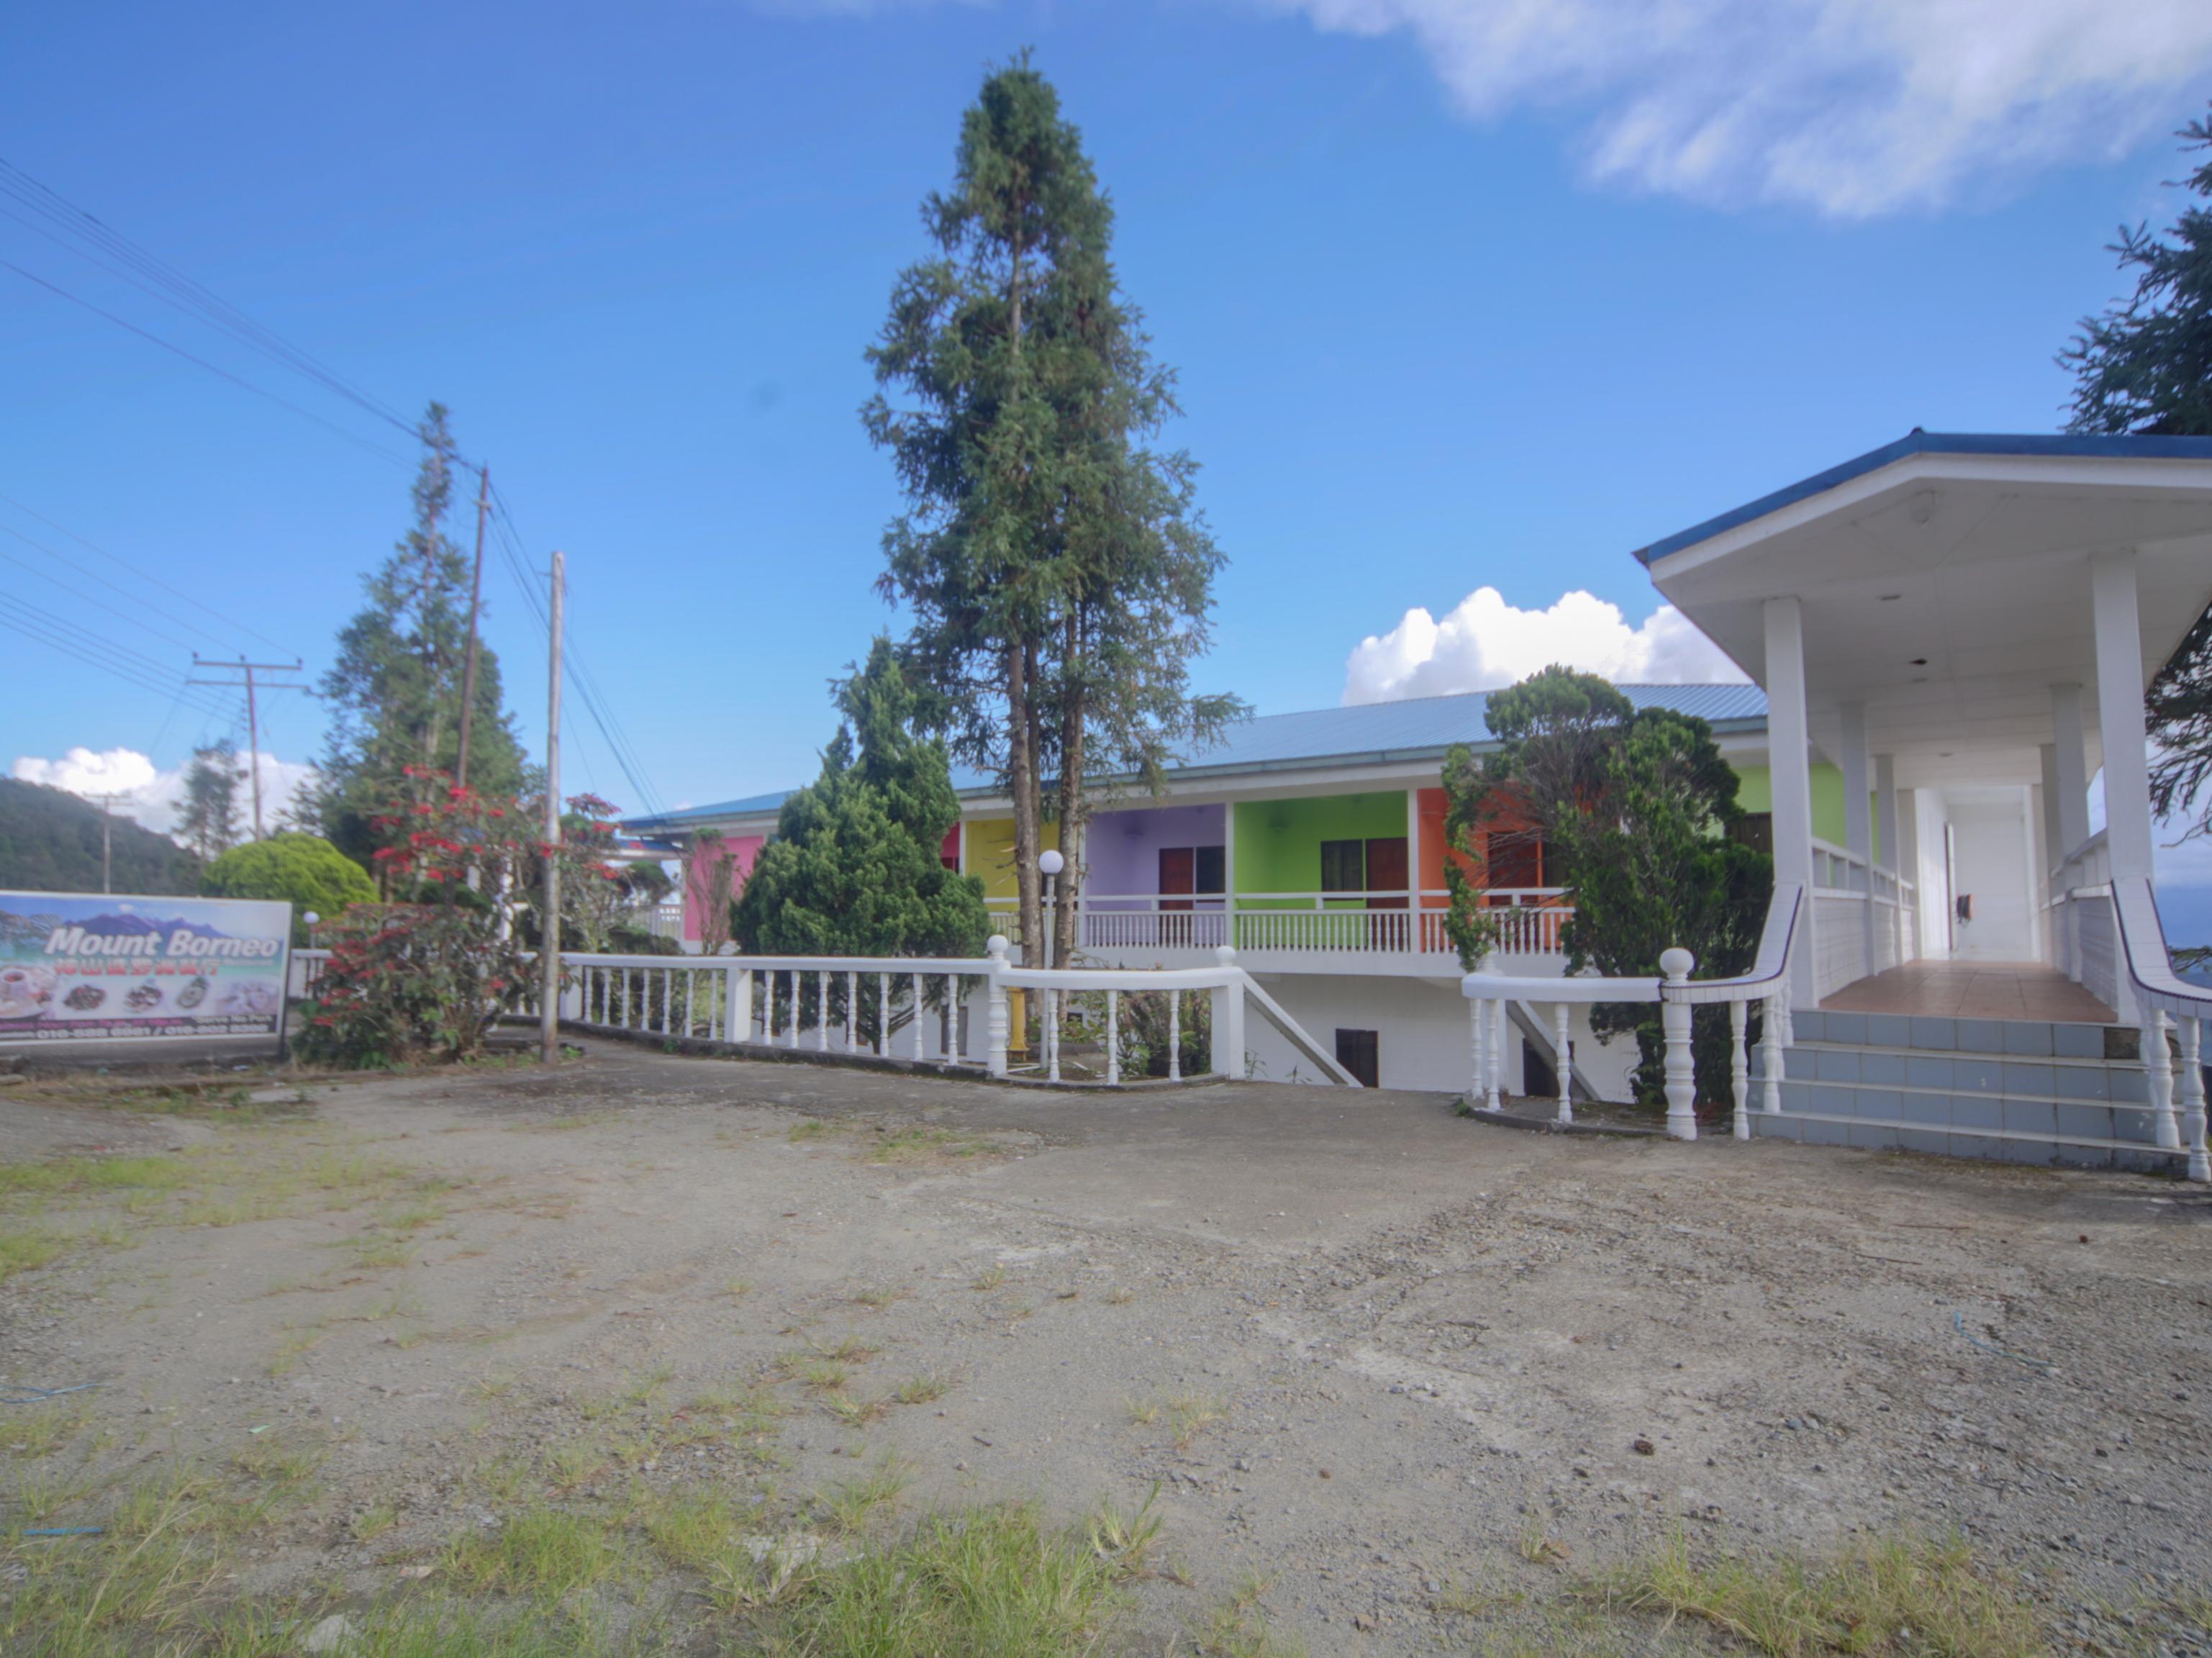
point(304, 972)
point(2165, 1000)
point(1321, 923)
point(1489, 993)
point(1866, 917)
point(950, 1011)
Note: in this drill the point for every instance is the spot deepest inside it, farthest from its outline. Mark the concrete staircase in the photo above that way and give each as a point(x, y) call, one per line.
point(2019, 1090)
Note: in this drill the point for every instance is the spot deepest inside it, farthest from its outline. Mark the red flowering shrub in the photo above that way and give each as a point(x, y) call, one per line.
point(424, 979)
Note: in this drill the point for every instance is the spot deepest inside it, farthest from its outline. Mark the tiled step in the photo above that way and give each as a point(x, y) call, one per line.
point(2022, 1039)
point(2015, 1091)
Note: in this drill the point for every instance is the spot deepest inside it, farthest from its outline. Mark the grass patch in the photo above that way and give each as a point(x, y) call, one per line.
point(42, 1430)
point(1237, 1626)
point(814, 1128)
point(991, 1583)
point(924, 1389)
point(540, 1550)
point(73, 1175)
point(1186, 1415)
point(989, 1279)
point(876, 1296)
point(27, 1249)
point(1881, 1595)
point(852, 1505)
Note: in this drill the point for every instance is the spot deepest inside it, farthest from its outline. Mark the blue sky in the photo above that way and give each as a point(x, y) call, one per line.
point(1451, 307)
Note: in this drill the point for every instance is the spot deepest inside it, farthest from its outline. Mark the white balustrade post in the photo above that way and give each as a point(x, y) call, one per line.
point(1770, 1088)
point(821, 1012)
point(1113, 1039)
point(691, 1002)
point(1681, 1071)
point(737, 1005)
point(852, 1012)
point(2192, 1100)
point(2157, 1066)
point(1563, 1059)
point(995, 1060)
point(916, 1021)
point(1175, 1035)
point(1478, 1077)
point(1740, 1066)
point(1052, 1034)
point(1229, 1020)
point(791, 1037)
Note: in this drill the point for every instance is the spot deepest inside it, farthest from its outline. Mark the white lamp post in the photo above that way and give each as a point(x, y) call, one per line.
point(1049, 866)
point(310, 918)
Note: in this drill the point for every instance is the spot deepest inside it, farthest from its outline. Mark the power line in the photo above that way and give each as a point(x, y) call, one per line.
point(70, 641)
point(87, 599)
point(146, 272)
point(224, 374)
point(142, 575)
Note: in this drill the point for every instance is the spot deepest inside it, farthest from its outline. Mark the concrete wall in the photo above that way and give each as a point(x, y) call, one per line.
point(1124, 846)
point(738, 850)
point(1278, 841)
point(1422, 1037)
point(1991, 855)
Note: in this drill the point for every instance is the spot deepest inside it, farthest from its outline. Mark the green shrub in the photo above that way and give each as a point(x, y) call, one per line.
point(305, 871)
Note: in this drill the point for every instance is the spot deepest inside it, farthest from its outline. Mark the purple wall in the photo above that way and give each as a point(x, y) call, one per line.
point(1124, 846)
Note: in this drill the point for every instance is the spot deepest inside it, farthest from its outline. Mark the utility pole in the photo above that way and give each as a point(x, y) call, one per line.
point(247, 669)
point(476, 602)
point(106, 842)
point(549, 941)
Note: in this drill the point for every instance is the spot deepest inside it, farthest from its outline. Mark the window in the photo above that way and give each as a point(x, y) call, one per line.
point(1344, 867)
point(1515, 860)
point(1211, 868)
point(1755, 829)
point(1357, 1052)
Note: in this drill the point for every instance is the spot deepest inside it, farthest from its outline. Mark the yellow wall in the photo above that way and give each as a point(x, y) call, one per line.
point(990, 842)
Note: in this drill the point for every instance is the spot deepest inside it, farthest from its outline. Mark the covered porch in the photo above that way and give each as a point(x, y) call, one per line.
point(1964, 626)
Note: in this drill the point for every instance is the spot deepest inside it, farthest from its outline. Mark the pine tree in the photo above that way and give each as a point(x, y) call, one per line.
point(207, 821)
point(855, 866)
point(395, 692)
point(1060, 576)
point(2146, 366)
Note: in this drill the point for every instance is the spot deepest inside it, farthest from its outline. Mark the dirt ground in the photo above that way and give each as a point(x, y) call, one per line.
point(1410, 1369)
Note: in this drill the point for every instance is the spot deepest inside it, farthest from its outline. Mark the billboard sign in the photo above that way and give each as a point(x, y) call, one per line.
point(83, 967)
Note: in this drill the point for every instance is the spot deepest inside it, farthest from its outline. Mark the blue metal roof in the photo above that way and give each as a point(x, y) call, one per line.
point(1917, 442)
point(1368, 733)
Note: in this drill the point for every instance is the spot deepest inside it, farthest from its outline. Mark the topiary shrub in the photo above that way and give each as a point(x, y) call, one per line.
point(304, 869)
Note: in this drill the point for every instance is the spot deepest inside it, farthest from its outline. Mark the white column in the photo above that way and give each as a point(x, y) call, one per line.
point(1681, 1080)
point(2120, 714)
point(2070, 778)
point(1859, 819)
point(1229, 873)
point(1889, 922)
point(1789, 764)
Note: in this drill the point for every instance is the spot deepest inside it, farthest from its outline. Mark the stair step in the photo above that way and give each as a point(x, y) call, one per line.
point(2017, 1039)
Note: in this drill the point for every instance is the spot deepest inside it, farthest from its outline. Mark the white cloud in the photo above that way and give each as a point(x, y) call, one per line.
point(153, 795)
point(1853, 107)
point(1484, 643)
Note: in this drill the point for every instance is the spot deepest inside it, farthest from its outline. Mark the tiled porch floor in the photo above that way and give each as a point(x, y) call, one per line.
point(1973, 990)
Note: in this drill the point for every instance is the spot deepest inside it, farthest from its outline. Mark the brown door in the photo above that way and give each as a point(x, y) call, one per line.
point(1178, 879)
point(1387, 868)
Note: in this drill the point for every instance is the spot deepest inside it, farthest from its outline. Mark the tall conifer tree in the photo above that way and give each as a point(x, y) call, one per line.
point(395, 692)
point(1059, 574)
point(2146, 366)
point(207, 821)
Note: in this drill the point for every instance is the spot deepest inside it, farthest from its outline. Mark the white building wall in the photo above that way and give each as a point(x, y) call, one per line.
point(1931, 815)
point(1422, 1036)
point(1991, 852)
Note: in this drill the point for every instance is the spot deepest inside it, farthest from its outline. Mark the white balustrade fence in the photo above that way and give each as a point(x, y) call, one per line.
point(1322, 924)
point(1490, 993)
point(1866, 917)
point(955, 1012)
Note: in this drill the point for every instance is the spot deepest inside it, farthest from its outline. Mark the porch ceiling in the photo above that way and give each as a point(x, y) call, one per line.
point(1947, 589)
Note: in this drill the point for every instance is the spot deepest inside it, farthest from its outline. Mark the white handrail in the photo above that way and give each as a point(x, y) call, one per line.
point(2163, 994)
point(1488, 991)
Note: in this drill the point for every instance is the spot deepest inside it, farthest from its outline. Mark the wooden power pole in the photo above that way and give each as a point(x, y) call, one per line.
point(475, 605)
point(549, 941)
point(246, 670)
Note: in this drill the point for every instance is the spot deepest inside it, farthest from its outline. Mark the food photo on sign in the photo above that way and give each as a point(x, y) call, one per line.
point(90, 967)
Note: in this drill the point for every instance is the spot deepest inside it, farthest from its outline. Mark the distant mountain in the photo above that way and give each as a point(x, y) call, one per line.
point(50, 843)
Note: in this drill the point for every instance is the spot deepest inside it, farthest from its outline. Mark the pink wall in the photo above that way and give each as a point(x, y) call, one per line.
point(739, 851)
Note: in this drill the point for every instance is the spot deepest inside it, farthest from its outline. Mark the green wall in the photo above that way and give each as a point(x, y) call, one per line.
point(1756, 793)
point(1278, 841)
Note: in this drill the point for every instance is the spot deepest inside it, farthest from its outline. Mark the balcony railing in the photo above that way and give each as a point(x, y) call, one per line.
point(1320, 924)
